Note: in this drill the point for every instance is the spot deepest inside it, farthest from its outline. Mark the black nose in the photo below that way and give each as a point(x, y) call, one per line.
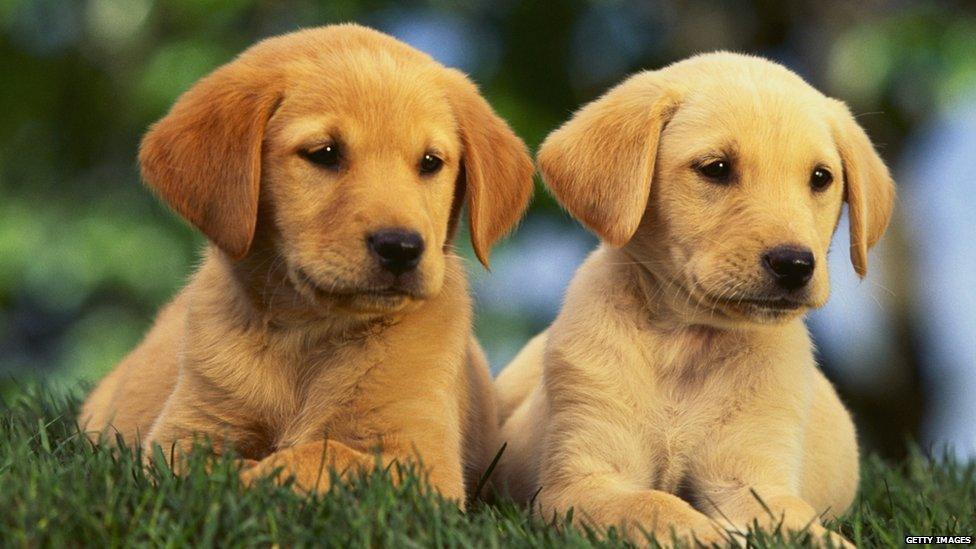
point(792, 267)
point(396, 250)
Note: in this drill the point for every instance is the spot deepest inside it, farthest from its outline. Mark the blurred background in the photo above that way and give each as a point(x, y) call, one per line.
point(87, 255)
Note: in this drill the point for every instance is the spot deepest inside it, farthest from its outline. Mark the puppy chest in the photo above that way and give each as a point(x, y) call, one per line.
point(676, 433)
point(670, 438)
point(364, 411)
point(344, 410)
point(292, 397)
point(693, 388)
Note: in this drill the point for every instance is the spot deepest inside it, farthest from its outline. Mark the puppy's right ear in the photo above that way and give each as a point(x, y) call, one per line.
point(204, 157)
point(600, 163)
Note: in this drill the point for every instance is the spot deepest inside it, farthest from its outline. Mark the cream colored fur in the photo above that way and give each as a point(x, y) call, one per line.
point(668, 394)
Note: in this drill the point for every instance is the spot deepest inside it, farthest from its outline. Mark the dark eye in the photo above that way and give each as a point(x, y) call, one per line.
point(430, 164)
point(718, 170)
point(327, 156)
point(820, 179)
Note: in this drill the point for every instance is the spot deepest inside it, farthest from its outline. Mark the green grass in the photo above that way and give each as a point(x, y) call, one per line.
point(57, 489)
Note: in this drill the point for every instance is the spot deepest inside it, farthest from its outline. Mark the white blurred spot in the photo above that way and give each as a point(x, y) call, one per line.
point(116, 21)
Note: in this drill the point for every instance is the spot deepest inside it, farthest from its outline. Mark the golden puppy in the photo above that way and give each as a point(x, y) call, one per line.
point(677, 388)
point(330, 317)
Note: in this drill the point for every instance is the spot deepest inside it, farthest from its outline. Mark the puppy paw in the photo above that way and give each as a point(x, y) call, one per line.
point(822, 537)
point(253, 473)
point(836, 540)
point(696, 531)
point(282, 467)
point(710, 534)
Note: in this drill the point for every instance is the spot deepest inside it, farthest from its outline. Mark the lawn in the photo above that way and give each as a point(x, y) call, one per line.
point(57, 489)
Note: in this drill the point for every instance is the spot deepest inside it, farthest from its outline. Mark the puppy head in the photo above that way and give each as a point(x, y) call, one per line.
point(348, 154)
point(724, 175)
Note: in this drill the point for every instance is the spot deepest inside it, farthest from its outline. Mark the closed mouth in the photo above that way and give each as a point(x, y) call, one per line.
point(339, 291)
point(776, 304)
point(746, 303)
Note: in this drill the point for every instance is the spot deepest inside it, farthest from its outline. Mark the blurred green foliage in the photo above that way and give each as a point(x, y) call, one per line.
point(87, 255)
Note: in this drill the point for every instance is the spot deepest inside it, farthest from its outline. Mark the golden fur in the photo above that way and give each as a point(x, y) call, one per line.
point(290, 342)
point(667, 390)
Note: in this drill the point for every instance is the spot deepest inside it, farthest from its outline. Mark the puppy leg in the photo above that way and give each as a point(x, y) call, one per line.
point(602, 500)
point(598, 466)
point(830, 456)
point(595, 458)
point(130, 398)
point(309, 465)
point(828, 475)
point(181, 425)
point(480, 432)
point(751, 480)
point(97, 416)
point(175, 451)
point(772, 508)
point(517, 381)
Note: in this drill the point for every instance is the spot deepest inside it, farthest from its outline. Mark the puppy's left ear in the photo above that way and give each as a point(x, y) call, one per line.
point(868, 187)
point(495, 165)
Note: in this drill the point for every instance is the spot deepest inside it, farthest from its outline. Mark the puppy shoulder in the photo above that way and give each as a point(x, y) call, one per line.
point(602, 294)
point(600, 321)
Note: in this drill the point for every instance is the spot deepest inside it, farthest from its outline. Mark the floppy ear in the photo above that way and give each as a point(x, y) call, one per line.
point(869, 189)
point(600, 163)
point(495, 166)
point(204, 157)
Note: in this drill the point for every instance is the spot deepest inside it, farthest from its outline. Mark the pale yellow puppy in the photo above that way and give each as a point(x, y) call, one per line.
point(679, 382)
point(330, 319)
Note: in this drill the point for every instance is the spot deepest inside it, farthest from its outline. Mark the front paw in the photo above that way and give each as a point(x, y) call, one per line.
point(709, 533)
point(251, 472)
point(268, 468)
point(694, 528)
point(279, 469)
point(827, 538)
point(819, 536)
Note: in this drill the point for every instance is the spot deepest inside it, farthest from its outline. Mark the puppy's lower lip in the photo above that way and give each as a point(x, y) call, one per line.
point(394, 292)
point(780, 304)
point(341, 291)
point(775, 304)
